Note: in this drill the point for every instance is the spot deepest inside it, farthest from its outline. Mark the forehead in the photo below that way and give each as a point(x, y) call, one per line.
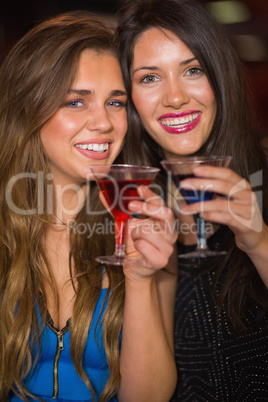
point(160, 43)
point(91, 57)
point(98, 64)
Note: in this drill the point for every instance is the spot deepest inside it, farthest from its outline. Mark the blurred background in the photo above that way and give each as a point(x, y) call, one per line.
point(246, 22)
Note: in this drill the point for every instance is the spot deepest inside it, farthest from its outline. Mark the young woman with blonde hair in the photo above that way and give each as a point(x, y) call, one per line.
point(71, 329)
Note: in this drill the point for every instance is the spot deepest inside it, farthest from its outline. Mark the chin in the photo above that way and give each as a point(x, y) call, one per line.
point(181, 153)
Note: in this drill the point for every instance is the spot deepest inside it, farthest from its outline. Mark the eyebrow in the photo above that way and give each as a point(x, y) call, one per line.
point(183, 63)
point(118, 92)
point(80, 91)
point(83, 92)
point(188, 61)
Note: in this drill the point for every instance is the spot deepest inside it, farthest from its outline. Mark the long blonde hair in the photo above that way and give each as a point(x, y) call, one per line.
point(34, 79)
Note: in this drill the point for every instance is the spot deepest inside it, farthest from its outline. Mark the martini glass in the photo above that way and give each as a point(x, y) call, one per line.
point(119, 184)
point(182, 168)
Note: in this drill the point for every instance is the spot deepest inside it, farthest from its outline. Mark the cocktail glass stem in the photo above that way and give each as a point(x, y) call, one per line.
point(201, 234)
point(120, 248)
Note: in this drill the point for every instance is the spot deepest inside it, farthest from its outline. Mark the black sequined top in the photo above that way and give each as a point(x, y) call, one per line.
point(213, 363)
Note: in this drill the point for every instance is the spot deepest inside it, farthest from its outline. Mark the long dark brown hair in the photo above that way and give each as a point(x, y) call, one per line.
point(232, 132)
point(34, 80)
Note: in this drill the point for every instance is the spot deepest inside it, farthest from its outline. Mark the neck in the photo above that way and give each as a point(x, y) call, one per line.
point(67, 202)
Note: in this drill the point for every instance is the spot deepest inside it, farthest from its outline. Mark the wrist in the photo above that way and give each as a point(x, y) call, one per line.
point(134, 279)
point(260, 248)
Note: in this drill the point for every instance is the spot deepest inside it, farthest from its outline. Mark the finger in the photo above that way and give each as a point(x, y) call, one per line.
point(238, 224)
point(227, 209)
point(242, 206)
point(150, 241)
point(217, 173)
point(239, 217)
point(152, 255)
point(237, 190)
point(153, 205)
point(148, 245)
point(147, 196)
point(153, 230)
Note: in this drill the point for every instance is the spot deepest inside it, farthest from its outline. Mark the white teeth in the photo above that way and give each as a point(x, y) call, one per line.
point(94, 147)
point(180, 120)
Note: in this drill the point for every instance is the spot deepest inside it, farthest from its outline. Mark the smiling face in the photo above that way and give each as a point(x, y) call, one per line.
point(91, 124)
point(171, 93)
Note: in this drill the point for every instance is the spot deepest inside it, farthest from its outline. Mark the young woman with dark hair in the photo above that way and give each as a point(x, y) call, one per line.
point(189, 97)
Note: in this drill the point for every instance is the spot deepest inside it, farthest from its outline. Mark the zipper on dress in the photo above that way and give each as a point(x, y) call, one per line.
point(60, 347)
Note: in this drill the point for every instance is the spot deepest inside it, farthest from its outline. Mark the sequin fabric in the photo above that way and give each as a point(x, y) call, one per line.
point(213, 363)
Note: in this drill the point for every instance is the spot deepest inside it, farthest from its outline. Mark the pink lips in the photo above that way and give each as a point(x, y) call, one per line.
point(176, 121)
point(93, 154)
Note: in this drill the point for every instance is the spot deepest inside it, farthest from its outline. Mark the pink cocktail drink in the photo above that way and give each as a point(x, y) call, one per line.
point(119, 185)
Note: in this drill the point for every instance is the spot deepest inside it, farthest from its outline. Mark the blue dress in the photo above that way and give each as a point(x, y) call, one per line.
point(55, 378)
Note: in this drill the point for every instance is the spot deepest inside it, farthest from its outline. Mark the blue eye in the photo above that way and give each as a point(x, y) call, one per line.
point(116, 103)
point(149, 78)
point(75, 103)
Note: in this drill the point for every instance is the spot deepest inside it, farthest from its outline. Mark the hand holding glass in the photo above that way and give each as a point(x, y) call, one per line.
point(119, 184)
point(181, 169)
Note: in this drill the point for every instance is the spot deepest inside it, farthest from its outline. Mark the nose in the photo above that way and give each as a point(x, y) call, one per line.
point(99, 120)
point(176, 94)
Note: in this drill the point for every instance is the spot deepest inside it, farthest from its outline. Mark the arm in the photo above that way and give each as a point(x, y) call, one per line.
point(259, 256)
point(148, 371)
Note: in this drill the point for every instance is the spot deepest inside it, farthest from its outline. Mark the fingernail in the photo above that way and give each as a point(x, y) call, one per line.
point(184, 209)
point(134, 205)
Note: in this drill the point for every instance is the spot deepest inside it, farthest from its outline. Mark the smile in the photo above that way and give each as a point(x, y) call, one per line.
point(94, 147)
point(180, 123)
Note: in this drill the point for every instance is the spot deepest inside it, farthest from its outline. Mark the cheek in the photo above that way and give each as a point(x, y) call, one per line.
point(212, 109)
point(120, 125)
point(123, 123)
point(141, 102)
point(206, 97)
point(48, 133)
point(209, 100)
point(58, 128)
point(213, 112)
point(147, 103)
point(144, 108)
point(138, 101)
point(123, 132)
